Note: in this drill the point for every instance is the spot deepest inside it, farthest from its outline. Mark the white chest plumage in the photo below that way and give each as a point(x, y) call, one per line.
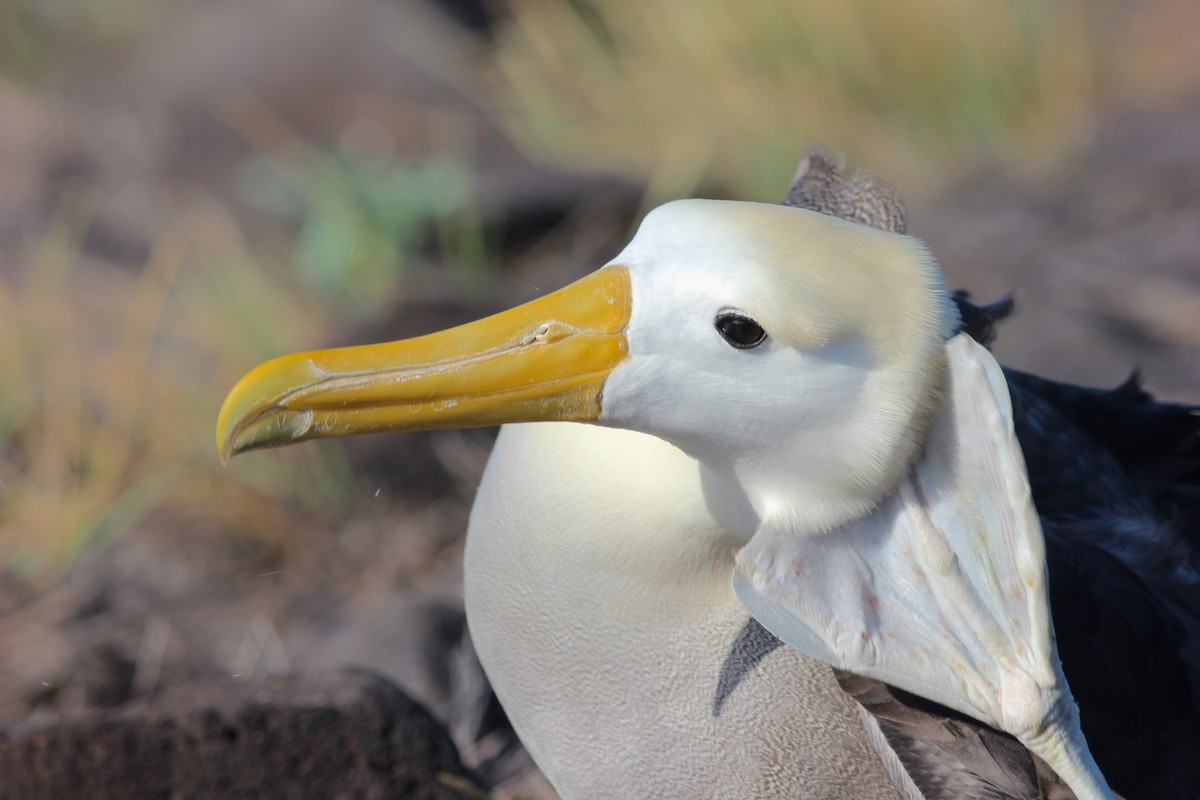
point(607, 636)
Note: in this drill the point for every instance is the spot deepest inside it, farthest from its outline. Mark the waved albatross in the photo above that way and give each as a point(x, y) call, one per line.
point(786, 399)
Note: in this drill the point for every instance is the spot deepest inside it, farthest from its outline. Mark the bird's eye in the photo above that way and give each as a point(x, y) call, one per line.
point(739, 330)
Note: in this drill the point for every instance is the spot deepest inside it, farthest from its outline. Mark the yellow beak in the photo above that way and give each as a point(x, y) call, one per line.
point(545, 360)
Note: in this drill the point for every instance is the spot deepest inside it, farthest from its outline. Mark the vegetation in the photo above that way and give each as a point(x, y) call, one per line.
point(683, 93)
point(111, 383)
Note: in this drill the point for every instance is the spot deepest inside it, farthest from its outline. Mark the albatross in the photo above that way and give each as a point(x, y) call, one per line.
point(792, 551)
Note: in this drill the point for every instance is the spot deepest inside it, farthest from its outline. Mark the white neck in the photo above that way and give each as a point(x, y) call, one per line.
point(823, 444)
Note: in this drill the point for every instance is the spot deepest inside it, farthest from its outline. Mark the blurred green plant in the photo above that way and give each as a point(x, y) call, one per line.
point(681, 93)
point(361, 213)
point(358, 223)
point(112, 385)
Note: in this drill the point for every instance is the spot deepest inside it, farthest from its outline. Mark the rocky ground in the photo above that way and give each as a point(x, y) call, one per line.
point(187, 663)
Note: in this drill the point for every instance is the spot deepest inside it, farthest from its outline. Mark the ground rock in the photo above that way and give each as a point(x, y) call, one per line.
point(340, 734)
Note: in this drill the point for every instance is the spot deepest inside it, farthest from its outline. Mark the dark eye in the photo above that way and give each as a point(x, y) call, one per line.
point(739, 330)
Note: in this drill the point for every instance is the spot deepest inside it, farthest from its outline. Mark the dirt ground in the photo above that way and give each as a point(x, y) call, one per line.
point(1102, 254)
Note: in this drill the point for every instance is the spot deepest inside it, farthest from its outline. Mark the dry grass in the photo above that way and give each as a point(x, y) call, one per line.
point(113, 380)
point(684, 94)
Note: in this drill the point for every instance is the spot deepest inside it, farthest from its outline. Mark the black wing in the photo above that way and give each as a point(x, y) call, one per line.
point(1116, 480)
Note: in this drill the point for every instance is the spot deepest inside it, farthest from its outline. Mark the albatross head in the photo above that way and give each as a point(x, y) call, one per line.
point(794, 354)
point(797, 356)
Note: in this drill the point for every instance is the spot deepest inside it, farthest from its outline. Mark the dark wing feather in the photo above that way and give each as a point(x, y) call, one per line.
point(946, 754)
point(1114, 477)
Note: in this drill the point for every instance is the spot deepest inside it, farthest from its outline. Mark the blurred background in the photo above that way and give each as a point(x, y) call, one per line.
point(189, 187)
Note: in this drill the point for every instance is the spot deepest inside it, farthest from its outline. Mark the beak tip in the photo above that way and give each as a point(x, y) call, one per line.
point(227, 434)
point(226, 446)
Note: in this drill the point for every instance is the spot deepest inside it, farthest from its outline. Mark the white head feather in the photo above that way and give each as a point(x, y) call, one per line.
point(855, 321)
